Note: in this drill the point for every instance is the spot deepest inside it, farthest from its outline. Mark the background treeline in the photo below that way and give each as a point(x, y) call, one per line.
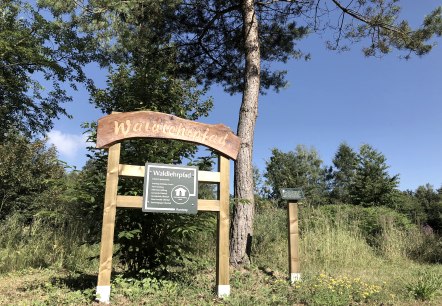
point(359, 178)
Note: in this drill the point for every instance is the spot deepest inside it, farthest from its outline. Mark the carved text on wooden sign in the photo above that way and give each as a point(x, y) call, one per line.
point(118, 126)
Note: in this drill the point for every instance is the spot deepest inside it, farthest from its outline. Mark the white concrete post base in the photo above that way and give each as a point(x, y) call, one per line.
point(223, 291)
point(103, 294)
point(295, 277)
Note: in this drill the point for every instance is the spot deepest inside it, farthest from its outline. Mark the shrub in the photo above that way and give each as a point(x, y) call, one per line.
point(158, 241)
point(427, 248)
point(145, 283)
point(425, 286)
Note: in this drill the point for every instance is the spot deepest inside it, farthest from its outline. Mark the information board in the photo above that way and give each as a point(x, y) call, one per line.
point(292, 194)
point(170, 189)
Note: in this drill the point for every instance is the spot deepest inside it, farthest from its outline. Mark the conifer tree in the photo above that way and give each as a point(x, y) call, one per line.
point(372, 184)
point(345, 162)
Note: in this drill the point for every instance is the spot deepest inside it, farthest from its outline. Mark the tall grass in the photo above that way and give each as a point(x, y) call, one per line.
point(340, 241)
point(373, 247)
point(325, 243)
point(39, 245)
point(331, 244)
point(328, 242)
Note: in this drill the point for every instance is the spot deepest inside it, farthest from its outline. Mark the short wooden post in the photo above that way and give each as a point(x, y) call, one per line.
point(222, 253)
point(294, 267)
point(107, 232)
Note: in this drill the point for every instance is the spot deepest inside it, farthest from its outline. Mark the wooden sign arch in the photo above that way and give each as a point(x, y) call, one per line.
point(115, 128)
point(146, 124)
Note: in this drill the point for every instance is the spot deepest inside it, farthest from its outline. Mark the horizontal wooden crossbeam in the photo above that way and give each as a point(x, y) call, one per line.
point(138, 171)
point(137, 202)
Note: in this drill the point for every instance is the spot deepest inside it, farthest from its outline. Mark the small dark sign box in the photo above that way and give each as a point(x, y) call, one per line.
point(292, 194)
point(170, 189)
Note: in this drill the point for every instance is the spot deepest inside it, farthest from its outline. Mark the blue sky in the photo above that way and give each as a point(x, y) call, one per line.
point(392, 104)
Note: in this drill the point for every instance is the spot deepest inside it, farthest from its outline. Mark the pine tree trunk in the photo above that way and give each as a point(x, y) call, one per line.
point(242, 225)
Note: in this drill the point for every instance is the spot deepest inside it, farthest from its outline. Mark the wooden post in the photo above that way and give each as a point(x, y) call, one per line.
point(294, 267)
point(222, 252)
point(107, 232)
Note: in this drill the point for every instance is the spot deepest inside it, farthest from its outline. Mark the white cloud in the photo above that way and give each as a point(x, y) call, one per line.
point(68, 145)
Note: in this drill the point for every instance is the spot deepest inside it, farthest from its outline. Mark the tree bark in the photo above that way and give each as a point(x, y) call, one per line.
point(242, 225)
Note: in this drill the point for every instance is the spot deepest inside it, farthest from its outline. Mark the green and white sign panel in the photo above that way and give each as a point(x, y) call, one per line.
point(170, 189)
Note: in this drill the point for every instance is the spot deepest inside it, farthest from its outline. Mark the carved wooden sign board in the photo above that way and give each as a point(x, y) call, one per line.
point(117, 127)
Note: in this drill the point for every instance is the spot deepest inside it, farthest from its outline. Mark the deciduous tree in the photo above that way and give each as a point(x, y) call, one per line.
point(37, 56)
point(142, 75)
point(29, 174)
point(300, 168)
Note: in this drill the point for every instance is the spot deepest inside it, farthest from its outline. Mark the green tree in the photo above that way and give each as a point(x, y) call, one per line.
point(372, 184)
point(408, 204)
point(260, 189)
point(426, 195)
point(344, 162)
point(142, 75)
point(30, 174)
point(431, 201)
point(32, 48)
point(299, 168)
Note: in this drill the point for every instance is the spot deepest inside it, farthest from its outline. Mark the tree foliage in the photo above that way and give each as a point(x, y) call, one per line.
point(431, 201)
point(344, 162)
point(372, 184)
point(30, 178)
point(142, 75)
point(301, 168)
point(37, 56)
point(379, 23)
point(209, 38)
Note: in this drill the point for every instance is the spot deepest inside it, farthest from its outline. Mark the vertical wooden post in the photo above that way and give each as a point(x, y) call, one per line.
point(222, 252)
point(294, 267)
point(107, 232)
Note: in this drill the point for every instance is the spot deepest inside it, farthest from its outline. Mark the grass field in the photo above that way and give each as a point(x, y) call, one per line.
point(340, 266)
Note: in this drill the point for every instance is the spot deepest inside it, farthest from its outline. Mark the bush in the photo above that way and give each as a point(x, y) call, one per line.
point(425, 286)
point(426, 248)
point(158, 241)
